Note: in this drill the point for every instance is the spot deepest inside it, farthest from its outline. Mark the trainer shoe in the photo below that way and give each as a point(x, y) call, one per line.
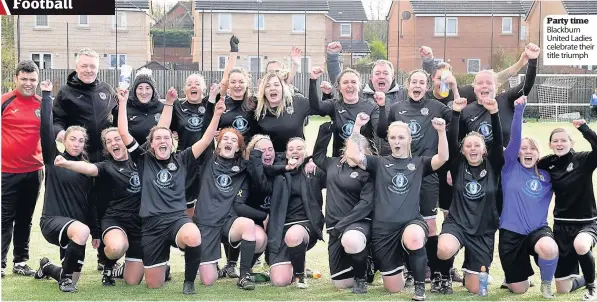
point(246, 282)
point(188, 288)
point(118, 271)
point(66, 285)
point(590, 294)
point(409, 281)
point(39, 274)
point(301, 281)
point(419, 291)
point(168, 274)
point(456, 276)
point(360, 286)
point(23, 269)
point(228, 271)
point(100, 266)
point(546, 290)
point(446, 287)
point(436, 283)
point(108, 278)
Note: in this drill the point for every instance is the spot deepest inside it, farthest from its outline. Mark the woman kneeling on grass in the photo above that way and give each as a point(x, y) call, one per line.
point(523, 224)
point(67, 216)
point(397, 225)
point(163, 202)
point(121, 225)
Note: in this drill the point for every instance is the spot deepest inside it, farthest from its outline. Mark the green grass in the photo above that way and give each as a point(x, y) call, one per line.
point(90, 288)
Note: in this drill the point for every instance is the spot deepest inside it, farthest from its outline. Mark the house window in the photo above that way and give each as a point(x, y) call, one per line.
point(224, 22)
point(255, 64)
point(117, 60)
point(345, 30)
point(43, 60)
point(121, 20)
point(298, 23)
point(41, 21)
point(440, 26)
point(259, 22)
point(222, 61)
point(523, 32)
point(473, 65)
point(83, 20)
point(506, 25)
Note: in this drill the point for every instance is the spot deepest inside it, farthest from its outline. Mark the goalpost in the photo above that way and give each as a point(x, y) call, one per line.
point(559, 97)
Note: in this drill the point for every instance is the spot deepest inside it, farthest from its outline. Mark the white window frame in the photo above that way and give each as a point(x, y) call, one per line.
point(41, 59)
point(302, 18)
point(225, 62)
point(523, 32)
point(505, 22)
point(117, 60)
point(349, 30)
point(467, 66)
point(37, 25)
point(445, 25)
point(83, 24)
point(123, 19)
point(220, 19)
point(256, 22)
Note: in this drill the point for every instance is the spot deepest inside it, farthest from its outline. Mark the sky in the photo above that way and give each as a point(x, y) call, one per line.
point(381, 7)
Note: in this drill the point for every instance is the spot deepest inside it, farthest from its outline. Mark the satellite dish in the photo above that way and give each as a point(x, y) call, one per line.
point(405, 15)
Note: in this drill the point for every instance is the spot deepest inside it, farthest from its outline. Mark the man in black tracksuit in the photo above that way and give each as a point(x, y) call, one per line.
point(87, 102)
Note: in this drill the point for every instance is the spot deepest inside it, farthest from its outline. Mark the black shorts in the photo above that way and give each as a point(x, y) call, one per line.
point(212, 238)
point(158, 233)
point(130, 225)
point(564, 234)
point(478, 250)
point(282, 257)
point(429, 196)
point(445, 191)
point(515, 249)
point(54, 229)
point(191, 191)
point(340, 261)
point(388, 249)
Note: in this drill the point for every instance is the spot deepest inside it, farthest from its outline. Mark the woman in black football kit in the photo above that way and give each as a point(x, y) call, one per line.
point(473, 217)
point(163, 203)
point(349, 202)
point(188, 118)
point(224, 184)
point(344, 110)
point(260, 153)
point(575, 212)
point(144, 106)
point(397, 225)
point(121, 225)
point(418, 112)
point(67, 216)
point(296, 221)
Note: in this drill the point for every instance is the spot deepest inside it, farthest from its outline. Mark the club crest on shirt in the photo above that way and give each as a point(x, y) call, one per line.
point(37, 113)
point(194, 123)
point(473, 190)
point(163, 179)
point(241, 124)
point(223, 183)
point(425, 111)
point(483, 173)
point(290, 110)
point(202, 110)
point(102, 95)
point(171, 167)
point(157, 117)
point(541, 177)
point(235, 169)
point(354, 174)
point(399, 184)
point(411, 166)
point(347, 129)
point(135, 183)
point(570, 167)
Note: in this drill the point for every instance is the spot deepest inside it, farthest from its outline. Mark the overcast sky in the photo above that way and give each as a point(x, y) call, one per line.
point(380, 7)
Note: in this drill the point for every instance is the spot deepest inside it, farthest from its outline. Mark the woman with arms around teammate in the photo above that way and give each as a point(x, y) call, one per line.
point(163, 202)
point(418, 112)
point(224, 184)
point(296, 220)
point(575, 212)
point(397, 225)
point(67, 216)
point(523, 224)
point(121, 225)
point(349, 202)
point(473, 217)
